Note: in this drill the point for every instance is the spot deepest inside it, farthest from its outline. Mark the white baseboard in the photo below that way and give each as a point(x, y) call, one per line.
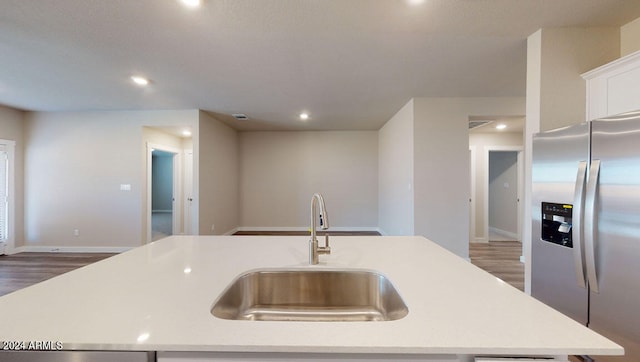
point(271, 228)
point(480, 240)
point(70, 249)
point(302, 228)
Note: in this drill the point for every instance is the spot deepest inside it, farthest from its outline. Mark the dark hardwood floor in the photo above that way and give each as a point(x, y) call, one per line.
point(24, 269)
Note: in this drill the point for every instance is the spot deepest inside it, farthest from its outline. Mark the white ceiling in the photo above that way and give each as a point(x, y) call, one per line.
point(350, 63)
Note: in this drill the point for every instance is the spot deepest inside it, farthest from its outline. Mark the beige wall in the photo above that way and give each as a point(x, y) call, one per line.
point(12, 128)
point(74, 166)
point(480, 142)
point(395, 174)
point(280, 171)
point(218, 177)
point(566, 53)
point(630, 38)
point(441, 159)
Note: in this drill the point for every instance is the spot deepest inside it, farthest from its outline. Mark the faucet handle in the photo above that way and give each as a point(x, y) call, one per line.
point(326, 249)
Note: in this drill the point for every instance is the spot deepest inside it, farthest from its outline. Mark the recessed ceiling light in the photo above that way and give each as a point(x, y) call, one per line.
point(501, 126)
point(139, 80)
point(415, 2)
point(186, 133)
point(191, 3)
point(304, 116)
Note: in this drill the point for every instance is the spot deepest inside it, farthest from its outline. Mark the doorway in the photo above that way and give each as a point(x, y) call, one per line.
point(162, 196)
point(163, 186)
point(503, 195)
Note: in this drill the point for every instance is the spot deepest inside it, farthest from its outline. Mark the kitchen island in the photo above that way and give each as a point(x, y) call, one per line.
point(159, 297)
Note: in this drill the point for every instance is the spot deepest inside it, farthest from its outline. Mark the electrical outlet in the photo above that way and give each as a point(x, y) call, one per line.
point(76, 232)
point(213, 227)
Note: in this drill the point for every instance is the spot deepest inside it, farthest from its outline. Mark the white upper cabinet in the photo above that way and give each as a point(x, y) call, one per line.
point(614, 87)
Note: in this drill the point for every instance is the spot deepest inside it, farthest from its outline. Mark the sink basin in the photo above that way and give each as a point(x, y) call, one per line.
point(310, 295)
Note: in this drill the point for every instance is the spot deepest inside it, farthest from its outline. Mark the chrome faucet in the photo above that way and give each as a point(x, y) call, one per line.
point(317, 202)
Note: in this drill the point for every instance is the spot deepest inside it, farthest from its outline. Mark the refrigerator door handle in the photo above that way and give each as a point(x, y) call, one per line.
point(590, 227)
point(576, 229)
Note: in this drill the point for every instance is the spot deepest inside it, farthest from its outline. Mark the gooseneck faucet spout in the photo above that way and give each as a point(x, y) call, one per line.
point(317, 202)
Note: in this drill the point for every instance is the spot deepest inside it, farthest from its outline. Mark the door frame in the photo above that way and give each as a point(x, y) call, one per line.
point(520, 185)
point(7, 246)
point(177, 187)
point(472, 194)
point(188, 192)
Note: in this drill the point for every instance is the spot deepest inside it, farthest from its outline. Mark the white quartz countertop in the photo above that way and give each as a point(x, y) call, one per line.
point(159, 297)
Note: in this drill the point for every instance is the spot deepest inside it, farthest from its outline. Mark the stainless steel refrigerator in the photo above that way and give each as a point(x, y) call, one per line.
point(586, 226)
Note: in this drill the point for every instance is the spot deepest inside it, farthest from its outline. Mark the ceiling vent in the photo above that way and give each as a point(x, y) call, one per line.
point(478, 123)
point(240, 116)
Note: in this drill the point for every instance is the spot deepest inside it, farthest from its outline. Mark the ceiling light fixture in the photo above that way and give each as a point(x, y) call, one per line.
point(304, 116)
point(139, 80)
point(415, 2)
point(501, 126)
point(191, 3)
point(186, 133)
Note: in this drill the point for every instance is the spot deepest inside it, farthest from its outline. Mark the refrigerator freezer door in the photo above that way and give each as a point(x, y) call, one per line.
point(578, 230)
point(556, 159)
point(615, 309)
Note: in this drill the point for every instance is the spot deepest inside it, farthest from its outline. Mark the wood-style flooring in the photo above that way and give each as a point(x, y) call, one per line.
point(501, 259)
point(21, 270)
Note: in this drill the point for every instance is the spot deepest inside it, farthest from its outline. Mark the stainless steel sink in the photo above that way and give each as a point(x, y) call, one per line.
point(310, 295)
